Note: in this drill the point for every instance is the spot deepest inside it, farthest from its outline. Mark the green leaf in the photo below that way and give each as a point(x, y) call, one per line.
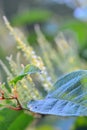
point(7, 117)
point(29, 69)
point(21, 122)
point(67, 98)
point(16, 79)
point(14, 120)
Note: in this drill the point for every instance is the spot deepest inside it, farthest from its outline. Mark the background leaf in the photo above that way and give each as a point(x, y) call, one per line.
point(31, 17)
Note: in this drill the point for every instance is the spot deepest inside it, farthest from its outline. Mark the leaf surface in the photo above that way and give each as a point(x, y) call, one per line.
point(67, 98)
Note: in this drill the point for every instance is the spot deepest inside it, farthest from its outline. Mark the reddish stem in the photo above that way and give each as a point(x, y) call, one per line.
point(19, 107)
point(2, 94)
point(15, 108)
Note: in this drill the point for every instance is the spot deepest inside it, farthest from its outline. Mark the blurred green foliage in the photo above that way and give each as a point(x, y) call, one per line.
point(80, 124)
point(45, 127)
point(33, 16)
point(37, 16)
point(28, 19)
point(80, 30)
point(12, 120)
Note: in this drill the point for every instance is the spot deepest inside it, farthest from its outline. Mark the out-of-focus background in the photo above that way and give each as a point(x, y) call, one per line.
point(57, 32)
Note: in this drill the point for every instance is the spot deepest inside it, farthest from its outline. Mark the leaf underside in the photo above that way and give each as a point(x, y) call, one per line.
point(67, 98)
